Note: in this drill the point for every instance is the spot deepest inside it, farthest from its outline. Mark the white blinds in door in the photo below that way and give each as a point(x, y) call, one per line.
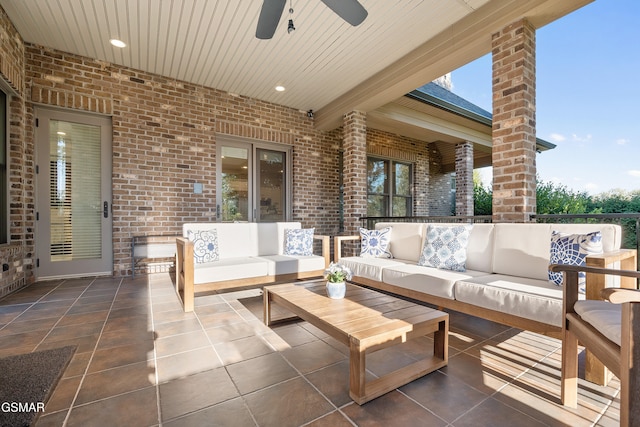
point(74, 191)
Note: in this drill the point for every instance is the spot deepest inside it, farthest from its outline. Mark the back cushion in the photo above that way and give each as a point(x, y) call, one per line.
point(524, 249)
point(271, 237)
point(235, 239)
point(480, 248)
point(406, 239)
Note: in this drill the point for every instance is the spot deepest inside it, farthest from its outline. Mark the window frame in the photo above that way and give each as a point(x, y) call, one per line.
point(5, 212)
point(389, 192)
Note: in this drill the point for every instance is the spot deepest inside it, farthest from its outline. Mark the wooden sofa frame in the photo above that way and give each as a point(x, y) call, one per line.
point(595, 283)
point(187, 291)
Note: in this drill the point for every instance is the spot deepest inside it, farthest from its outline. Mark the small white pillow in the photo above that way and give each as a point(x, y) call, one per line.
point(298, 241)
point(446, 247)
point(375, 243)
point(205, 245)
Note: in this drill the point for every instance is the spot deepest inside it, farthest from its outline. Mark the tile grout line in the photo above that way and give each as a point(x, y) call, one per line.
point(93, 352)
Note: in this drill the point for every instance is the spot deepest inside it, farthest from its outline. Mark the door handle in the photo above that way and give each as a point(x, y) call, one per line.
point(105, 209)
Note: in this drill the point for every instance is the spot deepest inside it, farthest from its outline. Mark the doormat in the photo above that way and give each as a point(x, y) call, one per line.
point(27, 381)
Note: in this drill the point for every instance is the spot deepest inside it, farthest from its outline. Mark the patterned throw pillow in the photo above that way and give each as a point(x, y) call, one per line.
point(572, 249)
point(375, 243)
point(446, 247)
point(298, 241)
point(205, 245)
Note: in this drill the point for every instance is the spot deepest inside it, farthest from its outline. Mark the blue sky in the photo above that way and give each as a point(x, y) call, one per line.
point(588, 96)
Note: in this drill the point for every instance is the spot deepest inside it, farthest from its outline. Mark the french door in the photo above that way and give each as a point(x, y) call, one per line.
point(253, 181)
point(73, 194)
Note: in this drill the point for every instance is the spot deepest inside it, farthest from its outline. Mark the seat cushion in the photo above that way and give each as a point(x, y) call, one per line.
point(604, 316)
point(370, 268)
point(230, 269)
point(289, 264)
point(429, 280)
point(534, 299)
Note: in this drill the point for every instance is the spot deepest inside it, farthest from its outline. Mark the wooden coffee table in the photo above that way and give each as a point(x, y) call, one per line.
point(365, 321)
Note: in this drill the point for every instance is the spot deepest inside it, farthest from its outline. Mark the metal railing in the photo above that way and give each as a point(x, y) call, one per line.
point(630, 223)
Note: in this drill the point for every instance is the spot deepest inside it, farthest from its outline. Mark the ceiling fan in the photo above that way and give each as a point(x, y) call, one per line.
point(349, 10)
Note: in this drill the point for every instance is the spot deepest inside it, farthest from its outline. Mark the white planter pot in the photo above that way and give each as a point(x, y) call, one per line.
point(336, 290)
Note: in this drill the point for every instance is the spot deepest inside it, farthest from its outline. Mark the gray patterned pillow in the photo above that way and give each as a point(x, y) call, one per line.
point(298, 241)
point(446, 247)
point(205, 245)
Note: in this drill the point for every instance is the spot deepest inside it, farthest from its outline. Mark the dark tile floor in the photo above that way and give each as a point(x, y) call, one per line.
point(141, 361)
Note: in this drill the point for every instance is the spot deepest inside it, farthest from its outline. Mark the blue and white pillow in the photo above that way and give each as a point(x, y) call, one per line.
point(298, 241)
point(446, 247)
point(572, 249)
point(205, 245)
point(375, 243)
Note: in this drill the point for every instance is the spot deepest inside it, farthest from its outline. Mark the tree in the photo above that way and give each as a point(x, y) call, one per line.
point(482, 196)
point(558, 199)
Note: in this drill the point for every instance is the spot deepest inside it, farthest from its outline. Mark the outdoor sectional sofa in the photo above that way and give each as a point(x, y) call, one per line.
point(221, 256)
point(506, 278)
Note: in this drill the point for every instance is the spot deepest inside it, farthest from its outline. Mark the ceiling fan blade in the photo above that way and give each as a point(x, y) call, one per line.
point(269, 18)
point(349, 10)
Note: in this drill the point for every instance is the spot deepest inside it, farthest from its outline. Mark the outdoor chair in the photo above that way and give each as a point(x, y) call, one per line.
point(610, 329)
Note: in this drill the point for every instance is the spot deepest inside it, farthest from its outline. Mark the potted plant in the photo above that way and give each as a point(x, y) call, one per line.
point(336, 276)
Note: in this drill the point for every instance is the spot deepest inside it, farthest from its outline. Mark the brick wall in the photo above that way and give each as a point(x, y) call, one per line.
point(15, 255)
point(164, 140)
point(464, 178)
point(439, 193)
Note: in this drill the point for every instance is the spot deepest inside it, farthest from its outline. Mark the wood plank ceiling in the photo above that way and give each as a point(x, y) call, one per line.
point(326, 65)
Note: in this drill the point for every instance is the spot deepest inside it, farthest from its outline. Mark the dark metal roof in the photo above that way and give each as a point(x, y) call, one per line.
point(439, 97)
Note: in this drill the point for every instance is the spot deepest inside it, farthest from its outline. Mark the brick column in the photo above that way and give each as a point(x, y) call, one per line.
point(355, 170)
point(464, 179)
point(514, 123)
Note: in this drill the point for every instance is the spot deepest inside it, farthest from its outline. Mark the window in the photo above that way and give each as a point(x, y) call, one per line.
point(389, 186)
point(253, 181)
point(4, 169)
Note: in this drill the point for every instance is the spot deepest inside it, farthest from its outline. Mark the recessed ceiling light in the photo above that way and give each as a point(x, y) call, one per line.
point(117, 43)
point(280, 88)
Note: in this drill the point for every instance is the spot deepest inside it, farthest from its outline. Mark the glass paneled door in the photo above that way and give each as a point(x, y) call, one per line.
point(73, 203)
point(252, 181)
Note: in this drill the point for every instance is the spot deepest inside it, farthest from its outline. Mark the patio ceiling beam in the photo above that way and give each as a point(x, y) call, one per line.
point(414, 118)
point(461, 43)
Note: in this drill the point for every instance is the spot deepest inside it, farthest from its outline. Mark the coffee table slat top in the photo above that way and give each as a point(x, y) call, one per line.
point(361, 314)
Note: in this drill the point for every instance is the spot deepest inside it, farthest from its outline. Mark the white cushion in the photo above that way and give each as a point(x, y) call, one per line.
point(370, 268)
point(480, 248)
point(523, 249)
point(532, 299)
point(429, 280)
point(271, 236)
point(406, 239)
point(235, 239)
point(288, 264)
point(230, 269)
point(604, 316)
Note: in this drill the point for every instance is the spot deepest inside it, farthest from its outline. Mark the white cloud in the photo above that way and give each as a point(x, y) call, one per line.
point(622, 141)
point(591, 187)
point(579, 138)
point(556, 137)
point(634, 173)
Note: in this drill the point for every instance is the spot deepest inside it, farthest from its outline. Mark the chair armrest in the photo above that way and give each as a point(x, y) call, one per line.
point(337, 245)
point(570, 282)
point(326, 248)
point(620, 295)
point(621, 259)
